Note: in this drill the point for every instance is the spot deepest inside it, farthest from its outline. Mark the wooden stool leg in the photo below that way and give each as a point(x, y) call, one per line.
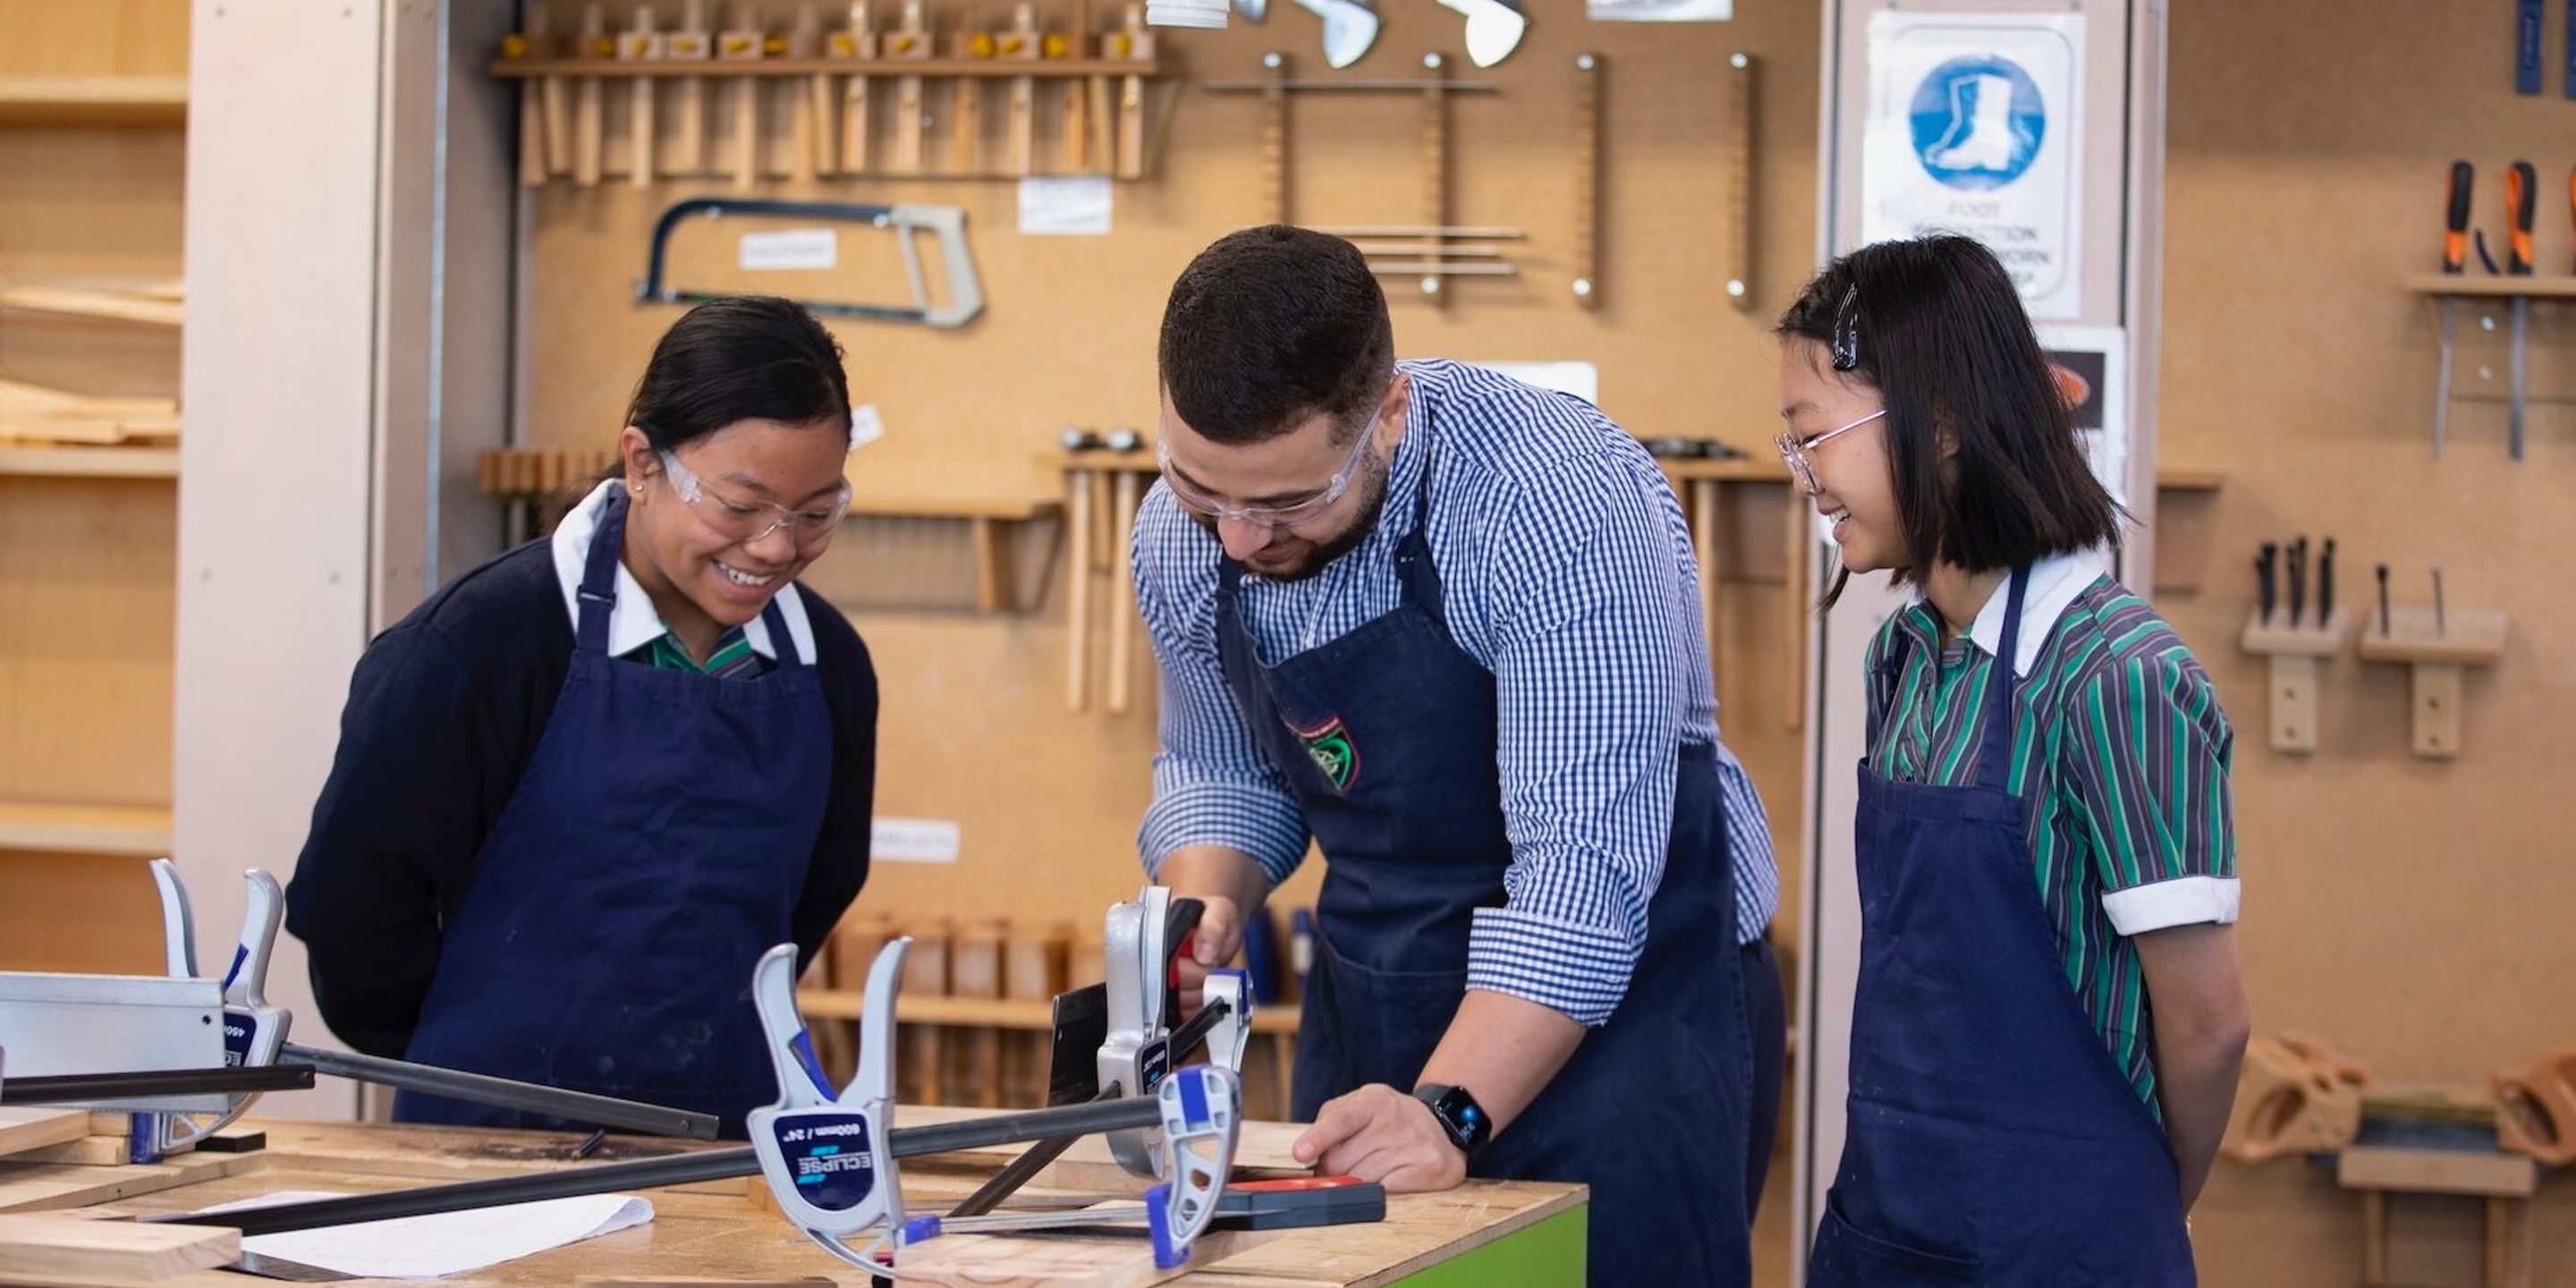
point(2374, 1238)
point(2499, 1242)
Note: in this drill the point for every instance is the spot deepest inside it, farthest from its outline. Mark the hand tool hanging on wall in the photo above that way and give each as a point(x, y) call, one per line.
point(2441, 621)
point(2455, 249)
point(1023, 42)
point(532, 42)
point(691, 43)
point(2383, 599)
point(641, 44)
point(1494, 28)
point(2521, 193)
point(816, 110)
point(911, 40)
point(1740, 85)
point(857, 41)
point(2325, 585)
point(2299, 580)
point(743, 42)
point(1587, 181)
point(1133, 41)
point(2526, 46)
point(1350, 27)
point(966, 294)
point(966, 117)
point(2265, 571)
point(590, 115)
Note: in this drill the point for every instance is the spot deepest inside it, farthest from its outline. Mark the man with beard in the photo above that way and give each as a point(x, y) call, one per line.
point(1443, 624)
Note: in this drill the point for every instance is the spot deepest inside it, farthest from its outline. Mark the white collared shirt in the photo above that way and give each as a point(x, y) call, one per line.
point(633, 622)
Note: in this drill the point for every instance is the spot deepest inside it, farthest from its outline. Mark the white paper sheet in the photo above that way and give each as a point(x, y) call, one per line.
point(449, 1243)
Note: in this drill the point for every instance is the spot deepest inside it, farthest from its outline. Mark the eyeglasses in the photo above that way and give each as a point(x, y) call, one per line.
point(744, 522)
point(1268, 516)
point(1794, 449)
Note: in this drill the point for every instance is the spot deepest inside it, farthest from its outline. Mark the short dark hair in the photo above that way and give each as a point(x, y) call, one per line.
point(743, 357)
point(1934, 325)
point(1271, 325)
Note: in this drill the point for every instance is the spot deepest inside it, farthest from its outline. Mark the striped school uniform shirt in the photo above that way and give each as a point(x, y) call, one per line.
point(2120, 750)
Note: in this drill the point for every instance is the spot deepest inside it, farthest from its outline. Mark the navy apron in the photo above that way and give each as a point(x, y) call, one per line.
point(653, 850)
point(1388, 735)
point(1991, 1140)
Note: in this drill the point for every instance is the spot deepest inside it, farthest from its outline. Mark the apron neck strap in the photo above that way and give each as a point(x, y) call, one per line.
point(782, 644)
point(598, 593)
point(1994, 761)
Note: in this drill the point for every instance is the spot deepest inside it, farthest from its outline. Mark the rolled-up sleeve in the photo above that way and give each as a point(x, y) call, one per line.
point(1212, 783)
point(2148, 777)
point(1588, 673)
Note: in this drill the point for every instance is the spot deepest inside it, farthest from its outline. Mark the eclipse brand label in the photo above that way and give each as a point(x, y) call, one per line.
point(240, 1032)
point(829, 1156)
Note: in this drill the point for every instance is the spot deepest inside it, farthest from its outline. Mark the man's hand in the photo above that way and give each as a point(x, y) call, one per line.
point(1219, 938)
point(1378, 1133)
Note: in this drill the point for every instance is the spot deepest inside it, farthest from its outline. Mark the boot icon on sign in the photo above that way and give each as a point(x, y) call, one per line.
point(1977, 122)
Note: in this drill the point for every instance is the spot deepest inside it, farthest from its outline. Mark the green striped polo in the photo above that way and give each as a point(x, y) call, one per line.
point(2121, 750)
point(733, 657)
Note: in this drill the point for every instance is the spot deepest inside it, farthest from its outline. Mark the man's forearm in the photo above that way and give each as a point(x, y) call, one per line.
point(1202, 870)
point(1504, 1050)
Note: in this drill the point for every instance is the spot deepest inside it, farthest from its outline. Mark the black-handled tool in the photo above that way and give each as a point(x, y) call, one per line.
point(2455, 236)
point(2383, 601)
point(2299, 580)
point(2325, 586)
point(2440, 627)
point(2521, 193)
point(2526, 46)
point(2267, 573)
point(2455, 253)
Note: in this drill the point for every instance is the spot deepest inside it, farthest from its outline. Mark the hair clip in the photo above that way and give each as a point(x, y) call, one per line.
point(1847, 329)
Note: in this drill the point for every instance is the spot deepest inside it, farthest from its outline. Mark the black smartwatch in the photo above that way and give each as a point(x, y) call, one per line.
point(1459, 1115)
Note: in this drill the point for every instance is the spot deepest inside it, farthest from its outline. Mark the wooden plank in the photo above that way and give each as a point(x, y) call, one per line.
point(2465, 637)
point(622, 1281)
point(91, 462)
point(27, 1129)
point(93, 100)
point(50, 1187)
point(2436, 1171)
point(87, 1151)
point(86, 302)
point(84, 829)
point(42, 1249)
point(1026, 1261)
point(2491, 287)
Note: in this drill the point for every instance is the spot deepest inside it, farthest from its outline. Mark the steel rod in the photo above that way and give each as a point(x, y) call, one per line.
point(505, 1093)
point(81, 1088)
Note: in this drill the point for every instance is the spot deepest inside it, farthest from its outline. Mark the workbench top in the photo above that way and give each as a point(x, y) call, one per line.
point(1486, 1232)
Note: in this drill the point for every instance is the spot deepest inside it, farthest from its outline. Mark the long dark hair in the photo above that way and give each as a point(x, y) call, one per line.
point(1935, 326)
point(744, 357)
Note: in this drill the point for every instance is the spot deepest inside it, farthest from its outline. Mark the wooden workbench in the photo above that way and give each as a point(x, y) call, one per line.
point(1485, 1233)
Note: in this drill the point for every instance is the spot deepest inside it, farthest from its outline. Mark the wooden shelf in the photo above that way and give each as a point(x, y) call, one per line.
point(719, 69)
point(2492, 285)
point(988, 1013)
point(85, 829)
point(91, 462)
point(93, 100)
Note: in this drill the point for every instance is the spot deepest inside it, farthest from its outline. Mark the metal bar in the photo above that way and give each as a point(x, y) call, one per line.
point(81, 1088)
point(506, 1093)
point(655, 1173)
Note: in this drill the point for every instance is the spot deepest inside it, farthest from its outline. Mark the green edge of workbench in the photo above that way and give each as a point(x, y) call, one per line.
point(1546, 1255)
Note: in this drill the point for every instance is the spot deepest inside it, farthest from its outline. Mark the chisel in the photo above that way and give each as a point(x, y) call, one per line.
point(2298, 582)
point(2325, 586)
point(2266, 574)
point(2520, 192)
point(2455, 253)
point(2526, 46)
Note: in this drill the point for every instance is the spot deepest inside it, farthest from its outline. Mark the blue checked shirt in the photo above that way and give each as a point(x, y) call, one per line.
point(1567, 572)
